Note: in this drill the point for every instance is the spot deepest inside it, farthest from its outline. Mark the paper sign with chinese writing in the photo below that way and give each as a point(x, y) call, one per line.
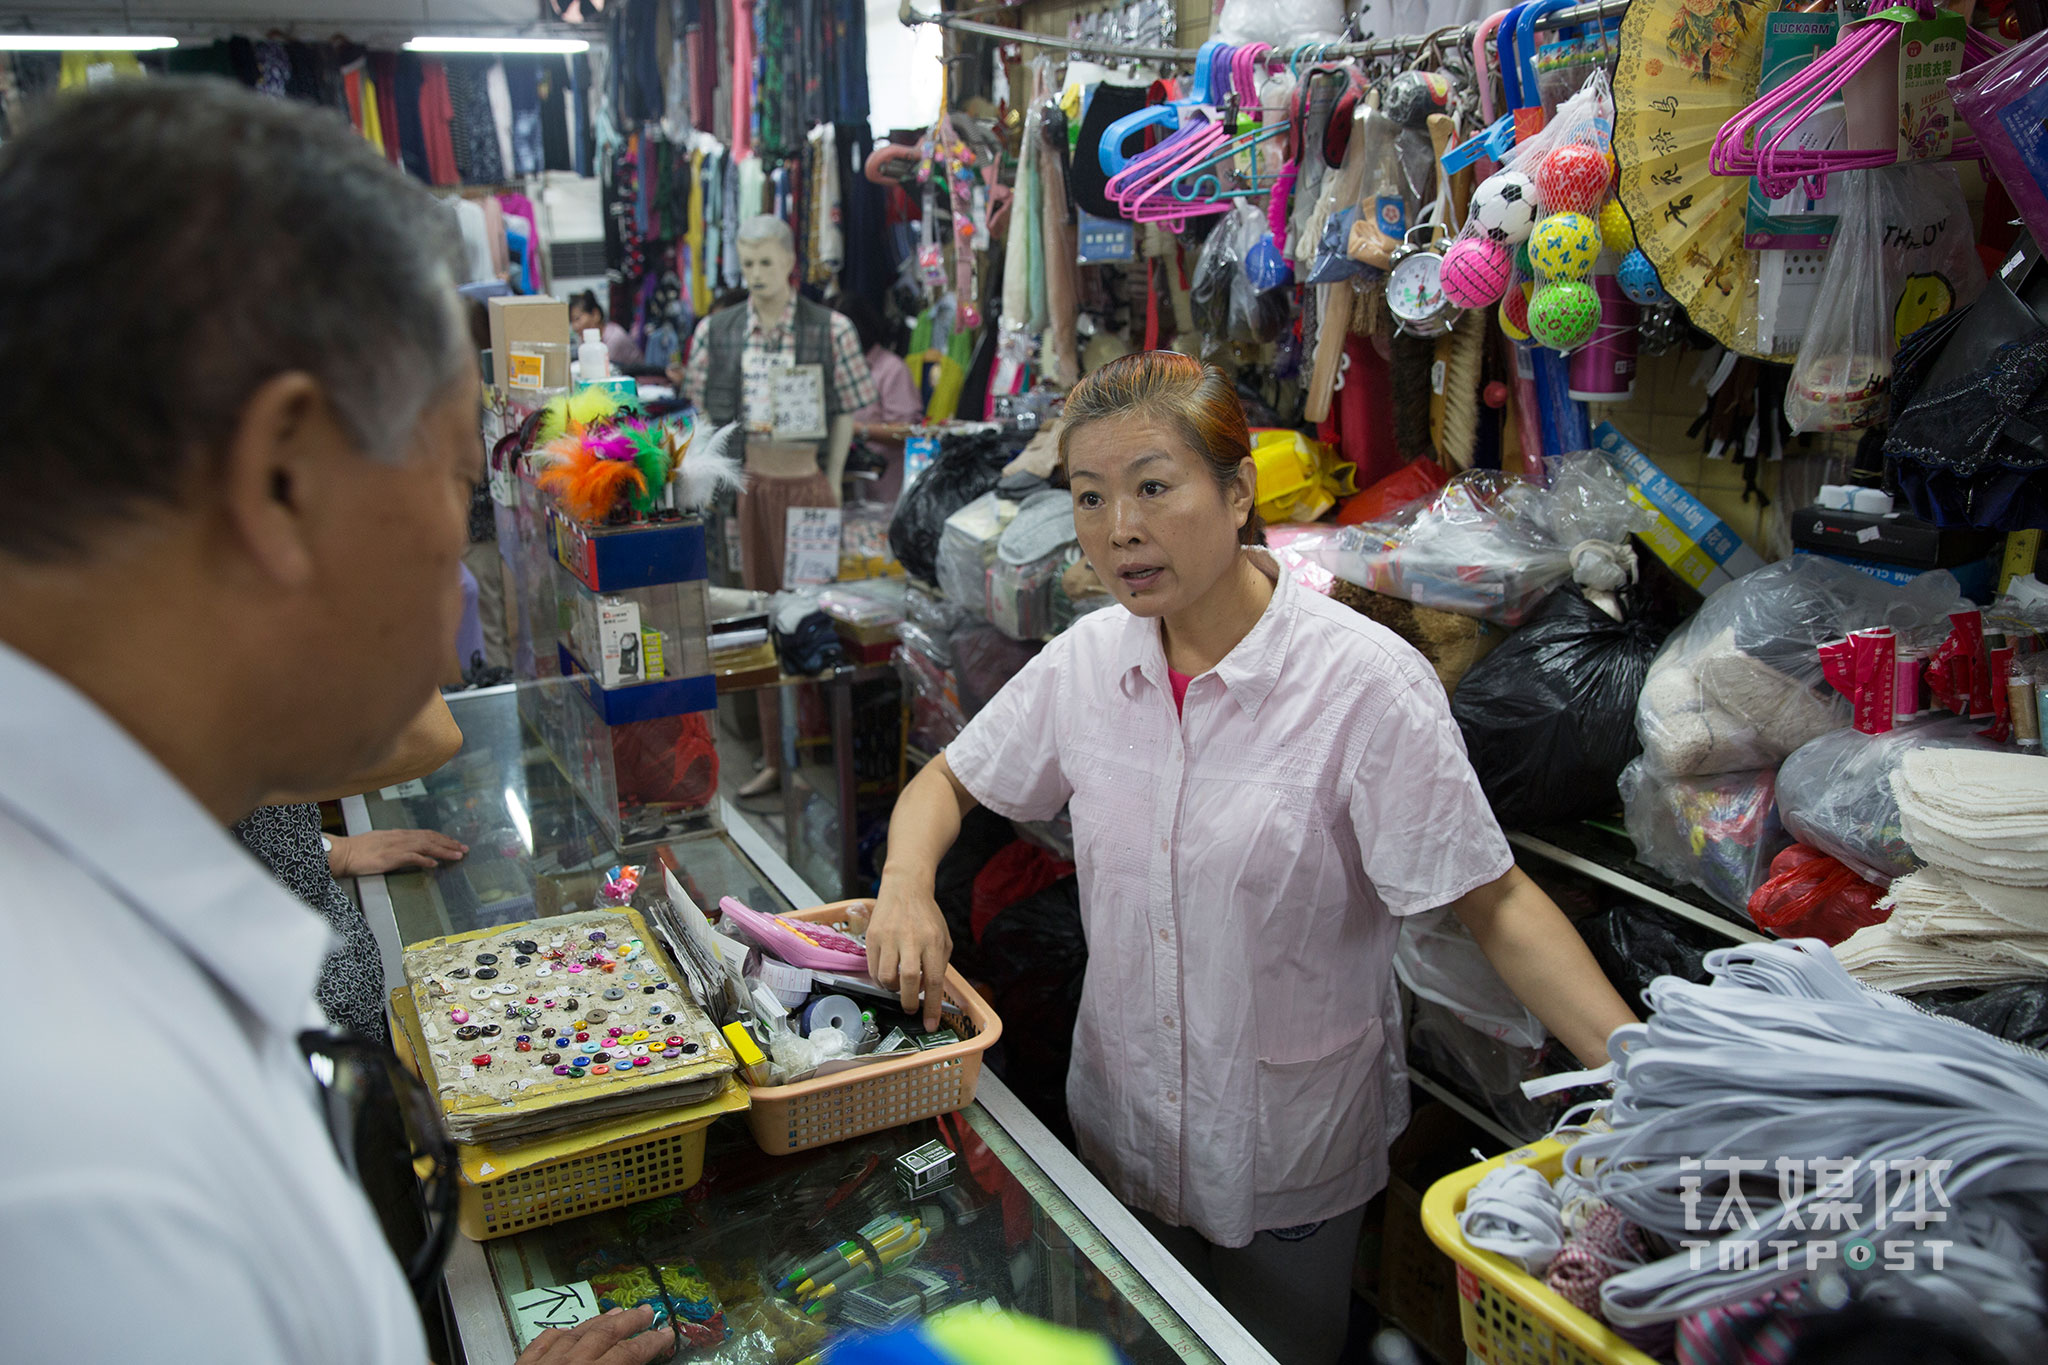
point(810, 551)
point(560, 1305)
point(798, 398)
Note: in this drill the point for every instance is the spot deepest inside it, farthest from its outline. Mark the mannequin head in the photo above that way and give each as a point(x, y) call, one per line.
point(767, 260)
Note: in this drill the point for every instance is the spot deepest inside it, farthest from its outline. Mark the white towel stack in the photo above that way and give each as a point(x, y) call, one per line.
point(1977, 914)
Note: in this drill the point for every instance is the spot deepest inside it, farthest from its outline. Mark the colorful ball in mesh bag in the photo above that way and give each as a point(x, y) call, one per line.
point(1639, 279)
point(1564, 314)
point(1475, 271)
point(1616, 231)
point(1514, 311)
point(1504, 206)
point(1565, 245)
point(1573, 178)
point(1523, 263)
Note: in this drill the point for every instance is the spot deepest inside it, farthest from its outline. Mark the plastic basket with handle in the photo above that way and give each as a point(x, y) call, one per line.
point(1509, 1316)
point(867, 1099)
point(504, 1190)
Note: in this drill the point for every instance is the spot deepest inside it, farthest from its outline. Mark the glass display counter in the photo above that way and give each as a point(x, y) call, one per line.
point(1022, 1224)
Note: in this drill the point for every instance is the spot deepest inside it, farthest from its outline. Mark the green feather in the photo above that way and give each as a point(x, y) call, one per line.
point(651, 459)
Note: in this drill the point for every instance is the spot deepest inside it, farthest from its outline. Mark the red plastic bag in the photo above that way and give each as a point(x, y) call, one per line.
point(1418, 479)
point(1810, 895)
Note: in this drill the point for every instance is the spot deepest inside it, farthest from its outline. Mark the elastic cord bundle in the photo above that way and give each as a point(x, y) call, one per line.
point(1862, 1096)
point(1514, 1212)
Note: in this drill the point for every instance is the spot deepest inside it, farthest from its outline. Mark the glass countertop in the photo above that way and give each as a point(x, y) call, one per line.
point(1009, 1230)
point(534, 847)
point(1002, 1234)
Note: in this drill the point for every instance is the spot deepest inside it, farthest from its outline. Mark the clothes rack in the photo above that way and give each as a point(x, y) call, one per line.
point(1379, 47)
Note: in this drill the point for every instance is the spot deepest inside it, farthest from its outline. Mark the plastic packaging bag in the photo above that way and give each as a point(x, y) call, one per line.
point(1901, 258)
point(1548, 717)
point(1437, 958)
point(1488, 544)
point(1739, 686)
point(1445, 1046)
point(984, 659)
point(1999, 99)
point(1718, 833)
point(2017, 1013)
point(1636, 944)
point(1810, 895)
point(966, 467)
point(968, 546)
point(1283, 23)
point(1835, 793)
point(935, 716)
point(1217, 269)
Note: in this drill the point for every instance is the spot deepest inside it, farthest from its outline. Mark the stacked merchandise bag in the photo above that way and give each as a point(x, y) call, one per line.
point(1736, 691)
point(1977, 914)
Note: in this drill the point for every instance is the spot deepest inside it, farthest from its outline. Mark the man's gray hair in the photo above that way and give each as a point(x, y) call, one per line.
point(169, 247)
point(766, 227)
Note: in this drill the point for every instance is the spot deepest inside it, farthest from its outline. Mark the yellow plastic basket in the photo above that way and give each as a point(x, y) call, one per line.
point(504, 1190)
point(1509, 1316)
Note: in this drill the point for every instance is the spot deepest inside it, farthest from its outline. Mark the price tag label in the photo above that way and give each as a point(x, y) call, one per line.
point(811, 546)
point(797, 395)
point(558, 1305)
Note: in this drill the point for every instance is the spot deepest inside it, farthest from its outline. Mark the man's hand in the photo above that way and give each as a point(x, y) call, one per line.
point(620, 1337)
point(908, 947)
point(390, 850)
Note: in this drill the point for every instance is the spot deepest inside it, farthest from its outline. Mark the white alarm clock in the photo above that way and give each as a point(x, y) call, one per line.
point(1415, 287)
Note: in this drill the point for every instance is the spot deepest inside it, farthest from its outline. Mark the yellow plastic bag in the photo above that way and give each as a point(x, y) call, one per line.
point(1299, 479)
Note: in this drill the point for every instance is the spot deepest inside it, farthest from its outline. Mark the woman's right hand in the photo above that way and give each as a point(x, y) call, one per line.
point(908, 945)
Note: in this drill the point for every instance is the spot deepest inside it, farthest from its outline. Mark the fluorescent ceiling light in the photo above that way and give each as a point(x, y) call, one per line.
point(540, 46)
point(82, 42)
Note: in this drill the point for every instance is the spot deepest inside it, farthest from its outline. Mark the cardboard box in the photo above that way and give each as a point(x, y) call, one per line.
point(529, 318)
point(1699, 546)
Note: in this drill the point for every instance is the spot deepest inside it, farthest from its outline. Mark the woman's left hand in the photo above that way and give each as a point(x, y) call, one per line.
point(389, 850)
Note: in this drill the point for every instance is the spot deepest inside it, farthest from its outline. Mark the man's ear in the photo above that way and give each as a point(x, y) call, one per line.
point(272, 464)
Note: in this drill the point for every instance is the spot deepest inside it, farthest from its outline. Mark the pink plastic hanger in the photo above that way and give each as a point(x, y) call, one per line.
point(1753, 142)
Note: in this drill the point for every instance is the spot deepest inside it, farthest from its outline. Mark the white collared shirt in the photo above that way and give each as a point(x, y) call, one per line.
point(1238, 1056)
point(168, 1188)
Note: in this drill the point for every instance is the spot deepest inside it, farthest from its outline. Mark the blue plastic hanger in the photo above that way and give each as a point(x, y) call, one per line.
point(1171, 114)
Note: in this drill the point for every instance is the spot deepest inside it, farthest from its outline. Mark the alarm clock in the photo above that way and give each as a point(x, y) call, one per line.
point(1415, 286)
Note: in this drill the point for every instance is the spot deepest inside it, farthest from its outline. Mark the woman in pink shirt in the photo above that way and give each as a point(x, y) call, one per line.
point(1261, 782)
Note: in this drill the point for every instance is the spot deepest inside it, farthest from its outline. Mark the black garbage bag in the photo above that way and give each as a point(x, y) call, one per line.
point(1549, 718)
point(1636, 944)
point(2017, 1013)
point(1032, 957)
point(966, 467)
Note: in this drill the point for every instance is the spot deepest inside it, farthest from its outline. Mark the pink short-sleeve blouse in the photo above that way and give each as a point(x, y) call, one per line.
point(1237, 1061)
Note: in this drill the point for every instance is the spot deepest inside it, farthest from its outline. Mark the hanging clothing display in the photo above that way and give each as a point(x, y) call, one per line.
point(553, 78)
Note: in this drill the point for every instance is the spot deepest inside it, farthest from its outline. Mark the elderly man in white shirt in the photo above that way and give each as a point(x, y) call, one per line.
point(240, 423)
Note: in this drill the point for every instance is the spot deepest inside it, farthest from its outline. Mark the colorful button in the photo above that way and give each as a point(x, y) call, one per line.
point(466, 1032)
point(490, 1031)
point(639, 1049)
point(543, 971)
point(521, 960)
point(570, 1004)
point(459, 1016)
point(522, 1038)
point(609, 967)
point(460, 973)
point(675, 1040)
point(481, 1059)
point(523, 1046)
point(613, 993)
point(479, 992)
point(597, 935)
point(597, 1016)
point(639, 1061)
point(690, 1048)
point(601, 1057)
point(582, 1036)
point(673, 1053)
point(486, 973)
point(575, 967)
point(486, 959)
point(647, 990)
point(525, 945)
point(584, 1045)
point(561, 1071)
point(550, 1058)
point(668, 1018)
point(600, 1071)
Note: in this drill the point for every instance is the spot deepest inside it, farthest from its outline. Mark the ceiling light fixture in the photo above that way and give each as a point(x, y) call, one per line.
point(83, 42)
point(500, 46)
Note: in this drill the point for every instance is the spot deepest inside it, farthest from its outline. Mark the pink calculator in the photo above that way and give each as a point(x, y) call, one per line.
point(796, 942)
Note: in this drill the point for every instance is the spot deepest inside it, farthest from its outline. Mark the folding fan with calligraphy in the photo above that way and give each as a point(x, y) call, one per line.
point(1686, 68)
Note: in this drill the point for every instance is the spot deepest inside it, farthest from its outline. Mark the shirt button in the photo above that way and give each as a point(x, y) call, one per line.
point(1166, 935)
point(1163, 846)
point(1173, 1097)
point(1166, 1019)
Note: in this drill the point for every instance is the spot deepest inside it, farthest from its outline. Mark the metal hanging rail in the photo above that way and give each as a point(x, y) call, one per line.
point(1382, 47)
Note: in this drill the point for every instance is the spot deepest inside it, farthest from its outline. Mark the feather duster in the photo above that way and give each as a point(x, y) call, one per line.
point(587, 484)
point(650, 456)
point(575, 413)
point(707, 466)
